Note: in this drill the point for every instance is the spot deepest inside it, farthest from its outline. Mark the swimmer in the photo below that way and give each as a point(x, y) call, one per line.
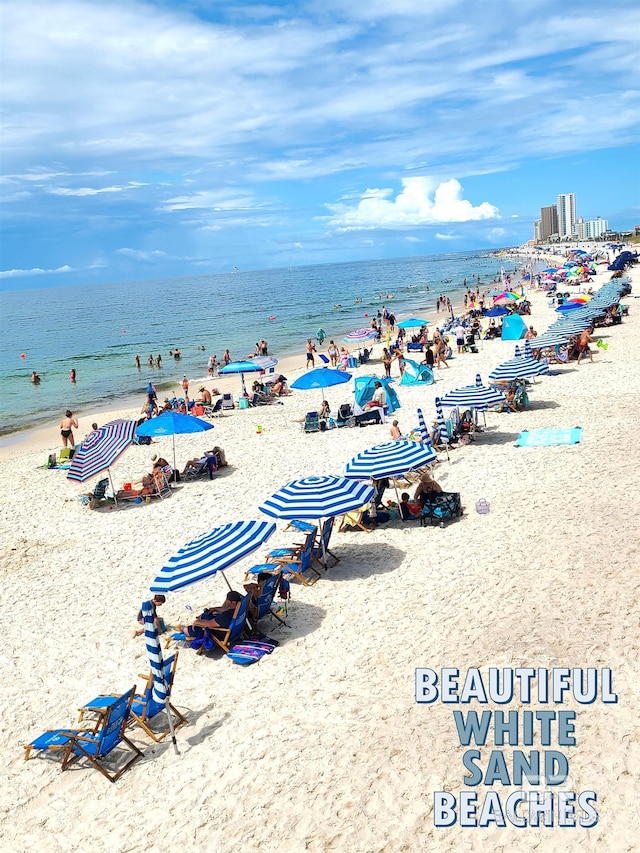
point(35, 378)
point(72, 374)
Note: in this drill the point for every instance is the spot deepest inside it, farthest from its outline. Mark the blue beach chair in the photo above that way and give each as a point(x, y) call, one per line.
point(94, 745)
point(224, 637)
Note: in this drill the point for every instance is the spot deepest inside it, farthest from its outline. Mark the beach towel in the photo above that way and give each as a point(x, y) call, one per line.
point(549, 437)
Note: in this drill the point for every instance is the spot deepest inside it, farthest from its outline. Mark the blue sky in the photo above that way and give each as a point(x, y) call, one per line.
point(153, 139)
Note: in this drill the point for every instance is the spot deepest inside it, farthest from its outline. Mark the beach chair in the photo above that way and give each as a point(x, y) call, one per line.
point(227, 402)
point(99, 494)
point(144, 707)
point(264, 602)
point(311, 422)
point(205, 466)
point(296, 566)
point(345, 416)
point(295, 552)
point(212, 411)
point(320, 548)
point(94, 744)
point(224, 637)
point(354, 519)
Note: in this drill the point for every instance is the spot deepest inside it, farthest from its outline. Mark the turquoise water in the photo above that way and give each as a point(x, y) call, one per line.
point(99, 329)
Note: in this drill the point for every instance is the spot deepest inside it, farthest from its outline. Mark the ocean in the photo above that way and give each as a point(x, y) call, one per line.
point(98, 329)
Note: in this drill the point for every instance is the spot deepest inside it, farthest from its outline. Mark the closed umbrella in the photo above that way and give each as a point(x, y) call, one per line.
point(160, 687)
point(442, 427)
point(210, 553)
point(100, 449)
point(316, 497)
point(173, 423)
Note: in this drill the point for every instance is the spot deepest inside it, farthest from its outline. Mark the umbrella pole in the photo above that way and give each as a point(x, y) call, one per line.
point(175, 466)
point(113, 489)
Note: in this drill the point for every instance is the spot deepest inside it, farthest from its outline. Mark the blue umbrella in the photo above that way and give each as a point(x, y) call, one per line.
point(412, 323)
point(160, 687)
point(210, 553)
point(320, 377)
point(242, 367)
point(100, 449)
point(317, 497)
point(498, 311)
point(389, 459)
point(173, 423)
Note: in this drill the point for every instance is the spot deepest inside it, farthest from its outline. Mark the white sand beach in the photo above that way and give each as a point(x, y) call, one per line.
point(321, 745)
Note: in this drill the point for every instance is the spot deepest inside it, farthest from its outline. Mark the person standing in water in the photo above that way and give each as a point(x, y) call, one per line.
point(138, 362)
point(72, 374)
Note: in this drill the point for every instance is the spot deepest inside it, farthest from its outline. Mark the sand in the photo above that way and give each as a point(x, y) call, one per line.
point(321, 746)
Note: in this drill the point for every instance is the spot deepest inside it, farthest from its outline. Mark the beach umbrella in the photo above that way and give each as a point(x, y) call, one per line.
point(359, 336)
point(567, 307)
point(160, 688)
point(242, 367)
point(527, 350)
point(173, 423)
point(551, 339)
point(100, 449)
point(472, 397)
point(210, 553)
point(412, 323)
point(320, 377)
point(442, 427)
point(495, 291)
point(317, 497)
point(389, 459)
point(498, 311)
point(266, 362)
point(518, 368)
point(423, 429)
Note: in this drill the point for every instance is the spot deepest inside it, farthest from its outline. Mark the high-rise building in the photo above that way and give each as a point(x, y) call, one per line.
point(566, 207)
point(548, 221)
point(537, 231)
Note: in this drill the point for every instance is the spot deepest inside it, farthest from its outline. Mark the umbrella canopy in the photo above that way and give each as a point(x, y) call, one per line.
point(266, 362)
point(160, 689)
point(359, 336)
point(498, 311)
point(173, 423)
point(210, 553)
point(473, 397)
point(442, 427)
point(317, 497)
point(242, 367)
point(320, 377)
point(412, 323)
point(389, 459)
point(100, 449)
point(509, 296)
point(518, 368)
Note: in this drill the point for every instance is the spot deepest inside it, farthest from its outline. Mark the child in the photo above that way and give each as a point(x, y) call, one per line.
point(155, 602)
point(408, 510)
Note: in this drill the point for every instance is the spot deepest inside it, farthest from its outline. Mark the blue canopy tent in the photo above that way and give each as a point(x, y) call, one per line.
point(364, 386)
point(415, 374)
point(513, 328)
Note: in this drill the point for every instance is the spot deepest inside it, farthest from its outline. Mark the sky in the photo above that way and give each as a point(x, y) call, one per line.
point(186, 137)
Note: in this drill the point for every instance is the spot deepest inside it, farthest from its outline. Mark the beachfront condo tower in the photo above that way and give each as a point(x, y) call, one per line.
point(566, 214)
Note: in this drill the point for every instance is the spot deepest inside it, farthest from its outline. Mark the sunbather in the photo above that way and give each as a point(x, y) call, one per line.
point(197, 463)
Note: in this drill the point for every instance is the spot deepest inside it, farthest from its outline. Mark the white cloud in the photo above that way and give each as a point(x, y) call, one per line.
point(447, 236)
point(34, 271)
point(411, 239)
point(143, 255)
point(83, 191)
point(420, 202)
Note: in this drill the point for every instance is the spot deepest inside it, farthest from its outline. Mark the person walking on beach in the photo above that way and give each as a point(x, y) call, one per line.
point(583, 345)
point(310, 351)
point(66, 429)
point(185, 385)
point(332, 352)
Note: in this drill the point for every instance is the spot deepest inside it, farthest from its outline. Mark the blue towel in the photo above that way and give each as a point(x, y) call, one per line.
point(549, 437)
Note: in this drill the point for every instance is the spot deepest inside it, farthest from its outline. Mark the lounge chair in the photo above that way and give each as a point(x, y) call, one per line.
point(144, 707)
point(296, 566)
point(264, 602)
point(227, 402)
point(320, 549)
point(98, 496)
point(206, 466)
point(345, 416)
point(354, 519)
point(224, 637)
point(296, 551)
point(212, 410)
point(311, 422)
point(93, 744)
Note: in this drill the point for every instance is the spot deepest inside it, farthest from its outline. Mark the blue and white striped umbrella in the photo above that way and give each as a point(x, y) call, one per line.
point(422, 425)
point(442, 427)
point(472, 397)
point(160, 687)
point(518, 368)
point(389, 459)
point(266, 362)
point(317, 497)
point(552, 339)
point(100, 449)
point(210, 553)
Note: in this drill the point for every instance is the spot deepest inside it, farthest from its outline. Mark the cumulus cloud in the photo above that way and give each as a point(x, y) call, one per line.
point(34, 271)
point(422, 201)
point(447, 236)
point(83, 191)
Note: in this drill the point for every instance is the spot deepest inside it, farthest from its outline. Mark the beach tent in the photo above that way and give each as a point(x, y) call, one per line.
point(513, 328)
point(415, 373)
point(364, 386)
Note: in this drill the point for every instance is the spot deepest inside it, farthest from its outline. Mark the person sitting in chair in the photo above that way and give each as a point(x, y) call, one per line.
point(409, 510)
point(425, 488)
point(204, 396)
point(379, 399)
point(255, 589)
point(214, 617)
point(156, 601)
point(196, 464)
